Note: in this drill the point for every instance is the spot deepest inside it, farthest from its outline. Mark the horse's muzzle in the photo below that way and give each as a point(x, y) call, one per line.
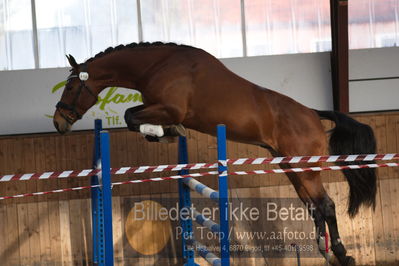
point(60, 123)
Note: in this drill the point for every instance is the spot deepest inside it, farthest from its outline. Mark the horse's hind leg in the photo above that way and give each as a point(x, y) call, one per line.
point(328, 210)
point(318, 218)
point(324, 204)
point(311, 191)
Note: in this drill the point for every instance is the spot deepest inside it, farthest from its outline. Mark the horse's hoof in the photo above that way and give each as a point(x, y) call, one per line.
point(180, 130)
point(349, 261)
point(175, 130)
point(346, 261)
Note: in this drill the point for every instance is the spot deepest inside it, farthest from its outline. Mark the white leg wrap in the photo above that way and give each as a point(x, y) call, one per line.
point(322, 243)
point(152, 130)
point(322, 248)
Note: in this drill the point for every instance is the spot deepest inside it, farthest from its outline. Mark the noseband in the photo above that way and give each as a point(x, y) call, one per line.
point(83, 76)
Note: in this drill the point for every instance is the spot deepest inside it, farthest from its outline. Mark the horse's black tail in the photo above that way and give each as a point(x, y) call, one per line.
point(352, 137)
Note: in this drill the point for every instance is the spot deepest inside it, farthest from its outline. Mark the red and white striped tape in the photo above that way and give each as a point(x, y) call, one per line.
point(114, 171)
point(314, 169)
point(256, 172)
point(155, 179)
point(315, 159)
point(48, 175)
point(47, 192)
point(197, 166)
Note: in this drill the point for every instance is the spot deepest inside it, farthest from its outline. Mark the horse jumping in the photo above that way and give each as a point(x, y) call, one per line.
point(183, 86)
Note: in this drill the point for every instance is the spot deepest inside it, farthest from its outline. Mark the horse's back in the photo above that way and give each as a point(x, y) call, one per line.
point(220, 96)
point(252, 114)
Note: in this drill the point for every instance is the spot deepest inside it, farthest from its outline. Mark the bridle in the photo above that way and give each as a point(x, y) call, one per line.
point(83, 76)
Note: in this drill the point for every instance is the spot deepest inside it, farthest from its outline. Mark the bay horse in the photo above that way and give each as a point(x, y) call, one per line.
point(183, 86)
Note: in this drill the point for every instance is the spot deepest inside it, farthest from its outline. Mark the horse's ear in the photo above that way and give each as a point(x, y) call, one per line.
point(72, 61)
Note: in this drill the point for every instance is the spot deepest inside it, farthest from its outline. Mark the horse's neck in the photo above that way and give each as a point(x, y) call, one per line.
point(126, 67)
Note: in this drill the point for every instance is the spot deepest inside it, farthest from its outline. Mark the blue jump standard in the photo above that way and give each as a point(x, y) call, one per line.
point(103, 253)
point(101, 198)
point(220, 196)
point(223, 196)
point(185, 202)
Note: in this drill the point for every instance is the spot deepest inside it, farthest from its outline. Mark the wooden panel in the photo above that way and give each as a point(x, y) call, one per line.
point(55, 231)
point(387, 221)
point(87, 232)
point(378, 229)
point(66, 249)
point(75, 217)
point(33, 230)
point(394, 189)
point(392, 127)
point(118, 230)
point(23, 232)
point(13, 236)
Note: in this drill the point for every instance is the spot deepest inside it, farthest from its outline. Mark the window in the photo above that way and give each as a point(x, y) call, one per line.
point(82, 28)
point(16, 45)
point(386, 40)
point(281, 27)
point(225, 28)
point(370, 20)
point(214, 25)
point(320, 45)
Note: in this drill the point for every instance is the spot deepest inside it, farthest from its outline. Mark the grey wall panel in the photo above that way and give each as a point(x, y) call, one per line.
point(374, 63)
point(304, 77)
point(376, 95)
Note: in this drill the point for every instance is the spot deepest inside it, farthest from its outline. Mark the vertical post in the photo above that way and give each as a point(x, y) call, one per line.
point(223, 196)
point(339, 54)
point(107, 197)
point(97, 202)
point(185, 202)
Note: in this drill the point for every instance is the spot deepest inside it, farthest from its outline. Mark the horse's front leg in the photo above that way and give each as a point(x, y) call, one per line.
point(132, 123)
point(155, 121)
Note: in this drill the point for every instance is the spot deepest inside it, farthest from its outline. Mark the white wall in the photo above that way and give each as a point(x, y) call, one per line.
point(26, 102)
point(25, 99)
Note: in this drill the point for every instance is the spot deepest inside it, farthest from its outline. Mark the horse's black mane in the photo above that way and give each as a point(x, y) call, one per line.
point(133, 45)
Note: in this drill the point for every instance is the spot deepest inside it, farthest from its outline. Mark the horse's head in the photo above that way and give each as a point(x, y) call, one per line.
point(80, 93)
